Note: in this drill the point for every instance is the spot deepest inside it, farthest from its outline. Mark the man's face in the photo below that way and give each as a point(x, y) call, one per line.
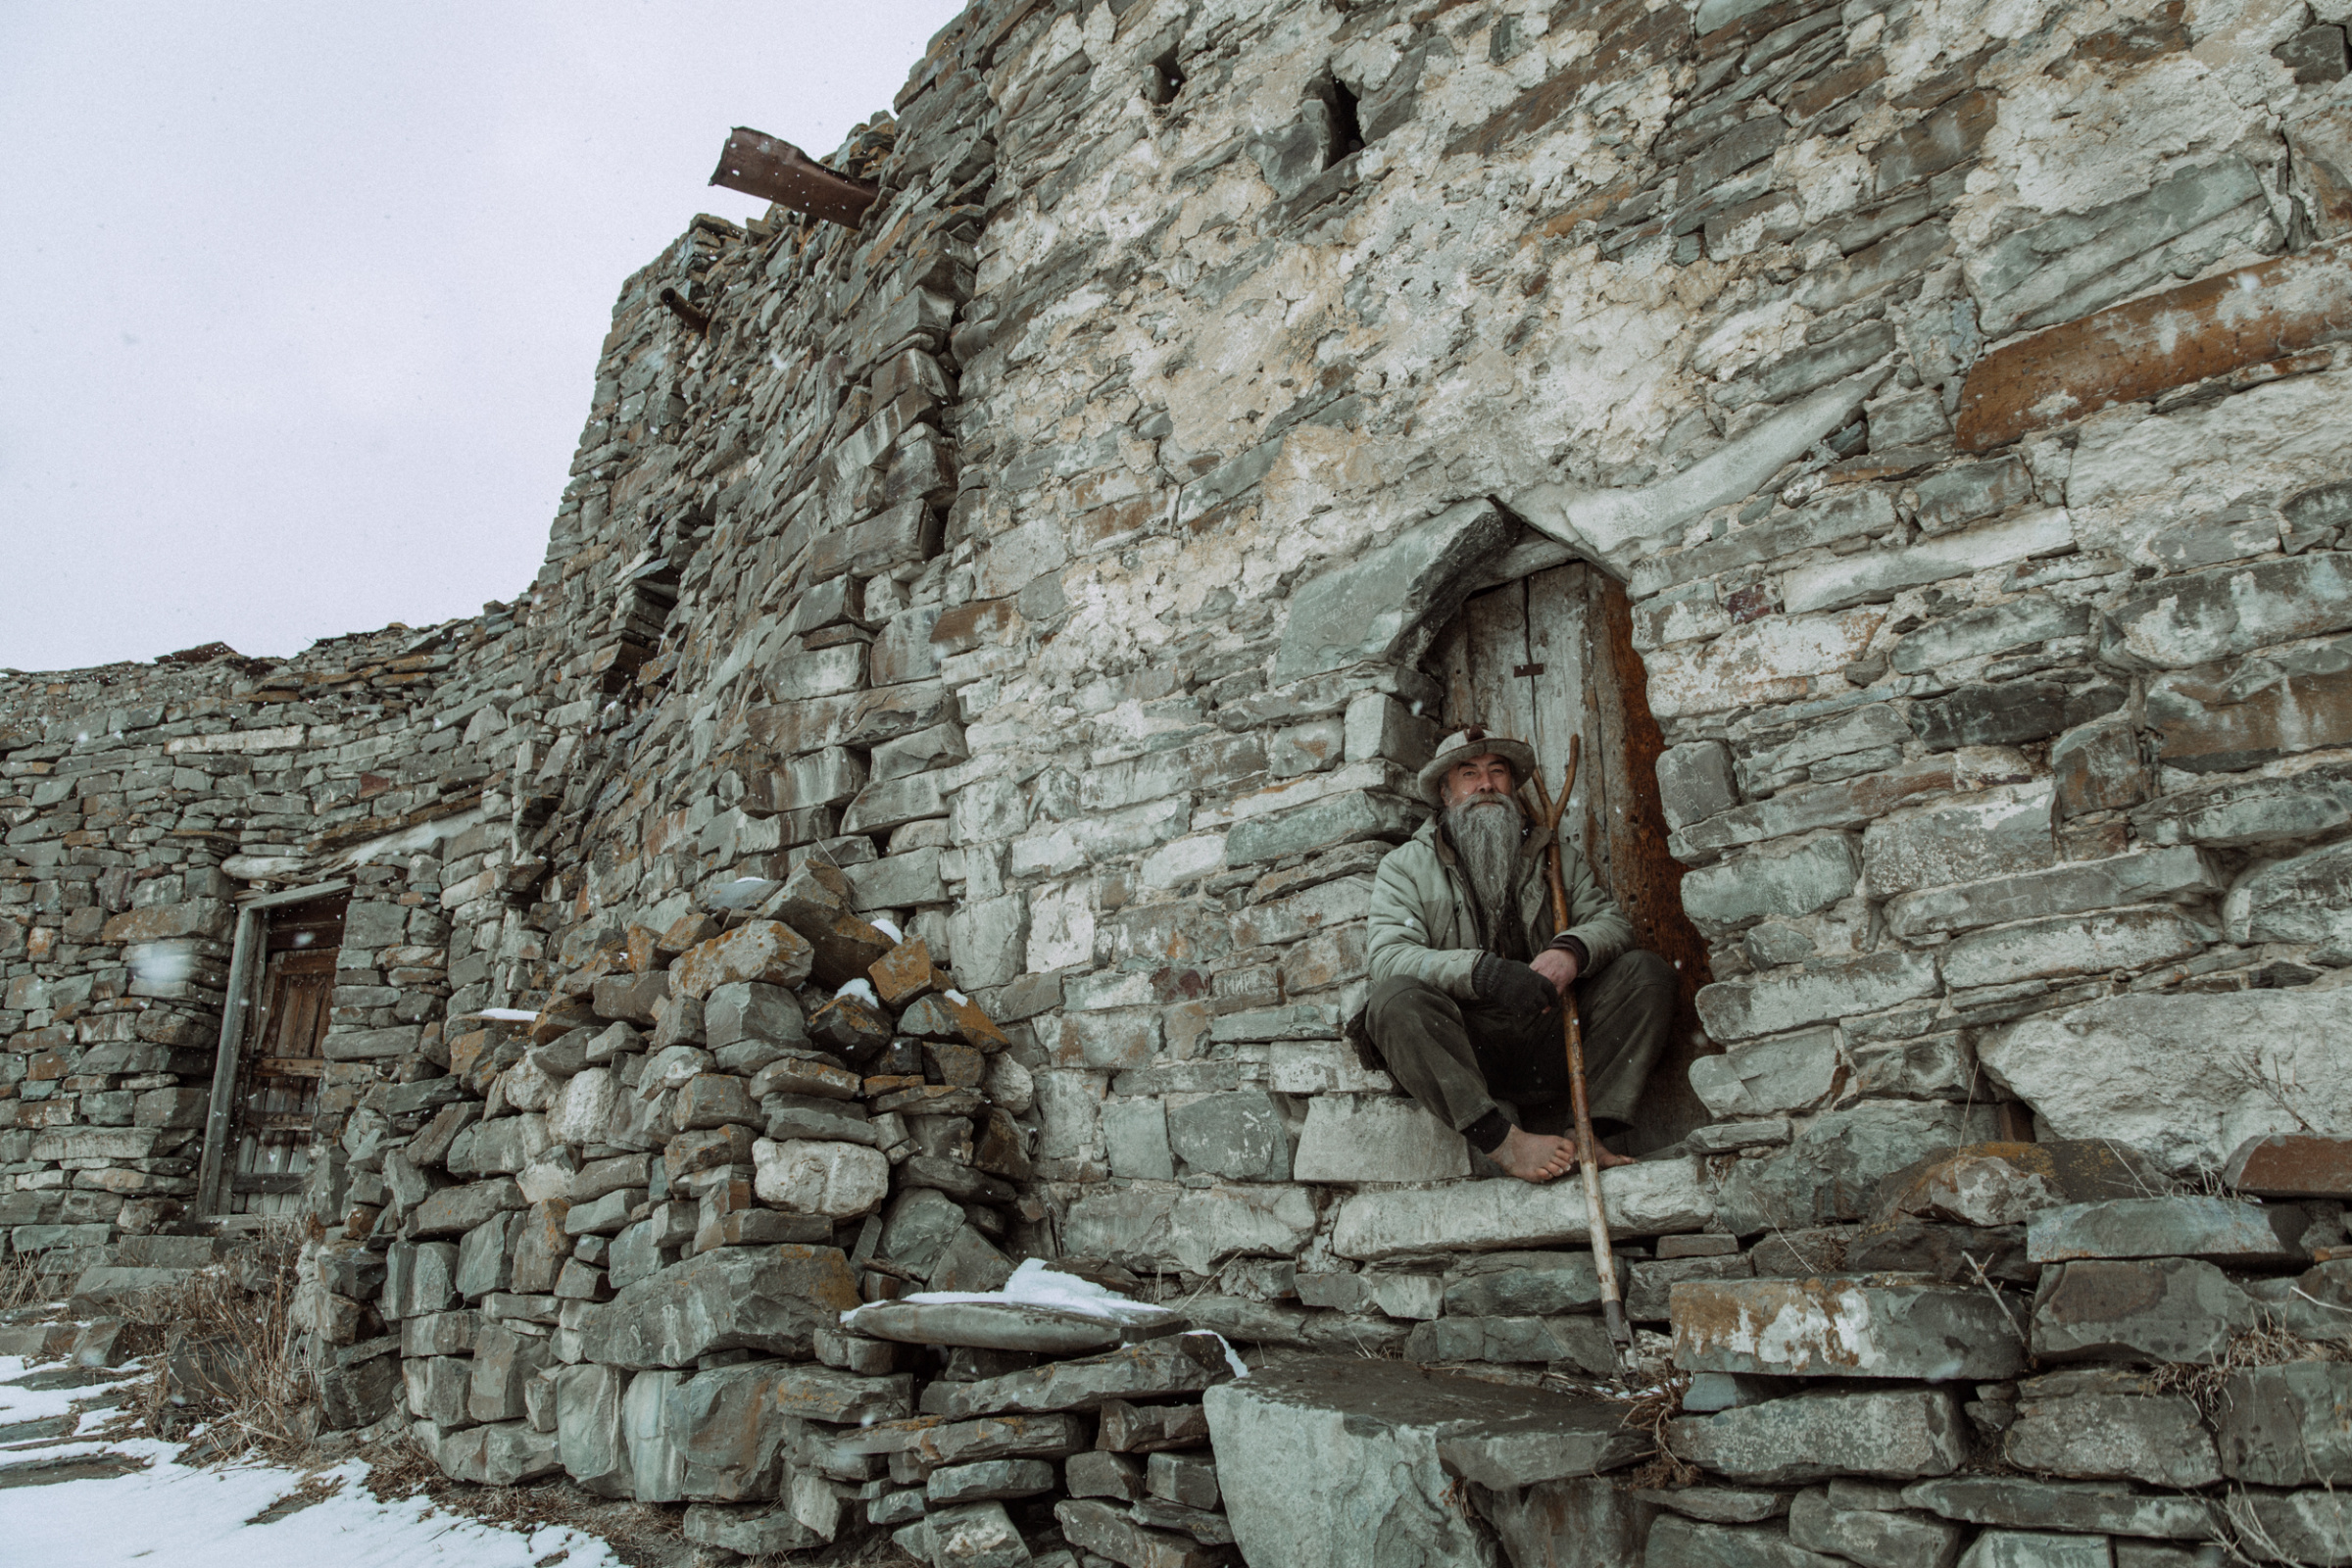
point(1481, 775)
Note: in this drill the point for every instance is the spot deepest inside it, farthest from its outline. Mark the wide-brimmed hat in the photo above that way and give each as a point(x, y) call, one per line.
point(1472, 741)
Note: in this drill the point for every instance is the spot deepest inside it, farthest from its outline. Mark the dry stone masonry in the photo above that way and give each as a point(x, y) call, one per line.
point(920, 820)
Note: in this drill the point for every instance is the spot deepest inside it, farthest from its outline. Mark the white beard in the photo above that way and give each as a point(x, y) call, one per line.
point(1486, 830)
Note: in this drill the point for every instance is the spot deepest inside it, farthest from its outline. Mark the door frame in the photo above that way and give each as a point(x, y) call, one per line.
point(1614, 814)
point(244, 968)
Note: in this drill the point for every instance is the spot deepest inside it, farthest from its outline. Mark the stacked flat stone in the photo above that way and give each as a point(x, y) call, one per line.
point(1055, 554)
point(706, 1146)
point(1987, 1370)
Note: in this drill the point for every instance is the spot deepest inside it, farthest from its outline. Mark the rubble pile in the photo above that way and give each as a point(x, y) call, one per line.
point(627, 1237)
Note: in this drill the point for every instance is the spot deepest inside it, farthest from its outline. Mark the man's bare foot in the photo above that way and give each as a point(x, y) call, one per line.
point(1535, 1156)
point(1602, 1157)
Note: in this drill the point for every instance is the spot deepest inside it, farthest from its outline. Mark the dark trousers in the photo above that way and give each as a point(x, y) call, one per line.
point(1459, 1057)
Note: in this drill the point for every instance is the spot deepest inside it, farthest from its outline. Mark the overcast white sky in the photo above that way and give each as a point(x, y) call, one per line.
point(305, 300)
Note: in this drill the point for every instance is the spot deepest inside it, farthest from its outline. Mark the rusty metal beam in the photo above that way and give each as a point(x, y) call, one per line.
point(698, 320)
point(2131, 352)
point(760, 165)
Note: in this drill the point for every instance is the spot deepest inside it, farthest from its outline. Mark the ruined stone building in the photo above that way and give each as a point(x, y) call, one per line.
point(1907, 442)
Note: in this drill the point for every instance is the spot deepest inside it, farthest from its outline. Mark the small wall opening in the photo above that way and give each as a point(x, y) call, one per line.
point(1346, 129)
point(1163, 79)
point(1549, 656)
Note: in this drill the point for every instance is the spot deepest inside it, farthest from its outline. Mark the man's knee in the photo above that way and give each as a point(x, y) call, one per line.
point(1403, 1001)
point(1639, 975)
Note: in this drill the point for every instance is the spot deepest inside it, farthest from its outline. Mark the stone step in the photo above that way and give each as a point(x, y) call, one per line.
point(1327, 1462)
point(92, 1343)
point(69, 1467)
point(110, 1284)
point(171, 1251)
point(1006, 1326)
point(1860, 1328)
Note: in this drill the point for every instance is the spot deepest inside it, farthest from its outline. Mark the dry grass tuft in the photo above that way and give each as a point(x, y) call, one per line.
point(2208, 1387)
point(1649, 1412)
point(22, 1284)
point(224, 1350)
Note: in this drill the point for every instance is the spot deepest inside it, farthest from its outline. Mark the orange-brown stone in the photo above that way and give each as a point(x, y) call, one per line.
point(903, 973)
point(2131, 352)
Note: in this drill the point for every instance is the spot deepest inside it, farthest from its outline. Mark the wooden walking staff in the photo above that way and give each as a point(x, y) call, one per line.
point(1604, 1262)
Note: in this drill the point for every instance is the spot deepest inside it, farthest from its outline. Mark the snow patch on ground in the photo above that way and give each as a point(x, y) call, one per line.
point(31, 1404)
point(171, 1514)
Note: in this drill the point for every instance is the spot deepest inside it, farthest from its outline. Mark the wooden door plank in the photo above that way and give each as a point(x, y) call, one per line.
point(1448, 663)
point(1560, 701)
point(1501, 700)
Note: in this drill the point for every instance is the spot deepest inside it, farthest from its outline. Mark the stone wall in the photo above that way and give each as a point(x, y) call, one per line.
point(1953, 386)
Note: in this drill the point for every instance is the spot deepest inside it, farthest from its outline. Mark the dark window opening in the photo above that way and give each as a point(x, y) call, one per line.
point(1163, 79)
point(1347, 132)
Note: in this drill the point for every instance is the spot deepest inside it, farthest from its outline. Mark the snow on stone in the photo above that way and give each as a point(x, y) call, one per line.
point(887, 926)
point(1035, 1282)
point(862, 990)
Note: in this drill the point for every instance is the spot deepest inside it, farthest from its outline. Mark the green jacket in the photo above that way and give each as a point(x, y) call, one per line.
point(1423, 924)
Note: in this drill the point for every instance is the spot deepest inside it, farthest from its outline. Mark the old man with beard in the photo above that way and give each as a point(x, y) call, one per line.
point(1468, 973)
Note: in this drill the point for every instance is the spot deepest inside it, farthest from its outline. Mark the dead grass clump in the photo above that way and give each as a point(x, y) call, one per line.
point(22, 1285)
point(224, 1354)
point(2207, 1387)
point(1649, 1412)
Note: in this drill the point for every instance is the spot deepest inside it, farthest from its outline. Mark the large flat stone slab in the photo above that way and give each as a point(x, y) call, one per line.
point(2216, 1228)
point(2184, 1079)
point(1332, 1463)
point(1653, 1198)
point(2292, 1166)
point(769, 1298)
point(2084, 1507)
point(2153, 1309)
point(1186, 1363)
point(1842, 1328)
point(1003, 1326)
point(1898, 1435)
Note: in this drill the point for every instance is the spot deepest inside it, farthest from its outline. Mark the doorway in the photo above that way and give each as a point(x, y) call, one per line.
point(265, 1117)
point(1551, 656)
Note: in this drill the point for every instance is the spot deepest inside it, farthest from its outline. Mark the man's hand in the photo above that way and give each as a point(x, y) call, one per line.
point(1557, 965)
point(1515, 988)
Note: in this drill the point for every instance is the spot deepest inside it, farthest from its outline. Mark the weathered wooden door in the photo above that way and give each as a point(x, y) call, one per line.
point(1551, 656)
point(279, 1068)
